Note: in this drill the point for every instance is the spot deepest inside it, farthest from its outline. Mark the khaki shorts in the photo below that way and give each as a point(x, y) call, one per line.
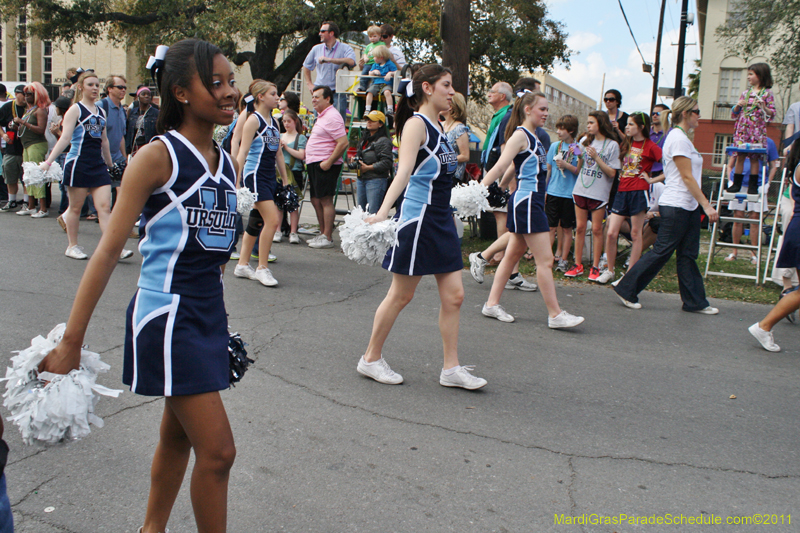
point(12, 169)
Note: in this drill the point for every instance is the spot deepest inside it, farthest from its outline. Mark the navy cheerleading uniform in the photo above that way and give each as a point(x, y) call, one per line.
point(176, 337)
point(259, 167)
point(84, 165)
point(526, 204)
point(427, 242)
point(790, 250)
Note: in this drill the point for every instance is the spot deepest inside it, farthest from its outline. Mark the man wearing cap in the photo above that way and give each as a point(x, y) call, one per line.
point(324, 149)
point(326, 58)
point(375, 161)
point(142, 120)
point(12, 153)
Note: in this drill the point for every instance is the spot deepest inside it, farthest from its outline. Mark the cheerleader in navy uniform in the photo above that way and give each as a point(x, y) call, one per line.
point(176, 342)
point(527, 221)
point(87, 162)
point(257, 157)
point(788, 258)
point(427, 242)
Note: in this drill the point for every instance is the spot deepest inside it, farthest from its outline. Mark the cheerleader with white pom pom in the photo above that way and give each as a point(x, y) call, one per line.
point(176, 343)
point(258, 156)
point(527, 221)
point(427, 242)
point(87, 163)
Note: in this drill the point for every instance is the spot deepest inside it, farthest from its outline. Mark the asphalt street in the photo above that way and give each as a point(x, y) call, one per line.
point(629, 414)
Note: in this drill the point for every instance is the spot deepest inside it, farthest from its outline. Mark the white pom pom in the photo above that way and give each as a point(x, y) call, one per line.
point(470, 200)
point(32, 175)
point(60, 409)
point(244, 200)
point(366, 243)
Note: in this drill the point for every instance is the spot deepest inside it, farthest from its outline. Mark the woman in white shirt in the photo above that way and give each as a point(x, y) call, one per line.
point(681, 205)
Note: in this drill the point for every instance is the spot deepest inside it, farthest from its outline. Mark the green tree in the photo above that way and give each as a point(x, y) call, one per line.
point(507, 37)
point(694, 80)
point(766, 27)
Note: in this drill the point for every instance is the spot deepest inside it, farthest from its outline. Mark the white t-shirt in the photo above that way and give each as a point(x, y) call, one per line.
point(52, 118)
point(655, 193)
point(675, 192)
point(592, 182)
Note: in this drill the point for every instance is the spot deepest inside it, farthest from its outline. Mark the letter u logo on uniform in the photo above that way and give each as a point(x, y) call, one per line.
point(219, 230)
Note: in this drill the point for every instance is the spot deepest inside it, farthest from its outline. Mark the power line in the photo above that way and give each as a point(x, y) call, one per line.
point(632, 36)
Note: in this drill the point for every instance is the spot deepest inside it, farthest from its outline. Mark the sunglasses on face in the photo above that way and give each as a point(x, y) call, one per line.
point(384, 36)
point(609, 99)
point(324, 31)
point(123, 87)
point(656, 113)
point(696, 112)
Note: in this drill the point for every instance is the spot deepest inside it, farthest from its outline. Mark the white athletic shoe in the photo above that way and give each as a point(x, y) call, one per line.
point(294, 238)
point(462, 378)
point(616, 282)
point(244, 271)
point(278, 237)
point(764, 337)
point(26, 210)
point(629, 305)
point(497, 311)
point(564, 320)
point(522, 284)
point(124, 254)
point(476, 266)
point(379, 371)
point(265, 277)
point(707, 311)
point(323, 242)
point(606, 276)
point(76, 252)
point(40, 214)
point(234, 256)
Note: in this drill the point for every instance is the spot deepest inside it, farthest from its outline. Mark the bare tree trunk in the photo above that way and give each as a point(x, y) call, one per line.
point(455, 42)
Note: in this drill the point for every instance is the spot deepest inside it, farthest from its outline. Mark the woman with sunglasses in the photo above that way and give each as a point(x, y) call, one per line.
point(619, 119)
point(680, 207)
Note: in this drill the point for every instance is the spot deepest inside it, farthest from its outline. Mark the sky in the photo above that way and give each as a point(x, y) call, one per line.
point(601, 43)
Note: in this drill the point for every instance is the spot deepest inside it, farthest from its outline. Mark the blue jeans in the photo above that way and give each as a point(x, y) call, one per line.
point(678, 232)
point(6, 517)
point(340, 103)
point(371, 192)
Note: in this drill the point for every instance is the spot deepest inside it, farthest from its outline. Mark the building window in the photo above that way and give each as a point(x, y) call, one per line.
point(48, 79)
point(23, 66)
point(730, 83)
point(721, 142)
point(48, 48)
point(296, 85)
point(48, 64)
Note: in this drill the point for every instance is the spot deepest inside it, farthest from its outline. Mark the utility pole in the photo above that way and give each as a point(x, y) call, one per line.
point(681, 48)
point(454, 30)
point(657, 65)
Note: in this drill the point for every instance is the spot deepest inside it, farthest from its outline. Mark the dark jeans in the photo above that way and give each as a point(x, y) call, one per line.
point(679, 232)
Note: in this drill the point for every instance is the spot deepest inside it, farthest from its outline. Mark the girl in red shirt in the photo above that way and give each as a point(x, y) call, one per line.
point(634, 183)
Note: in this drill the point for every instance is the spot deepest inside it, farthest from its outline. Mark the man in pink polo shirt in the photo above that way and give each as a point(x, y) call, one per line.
point(324, 150)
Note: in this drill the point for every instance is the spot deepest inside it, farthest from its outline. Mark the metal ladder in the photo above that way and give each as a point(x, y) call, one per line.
point(775, 224)
point(723, 195)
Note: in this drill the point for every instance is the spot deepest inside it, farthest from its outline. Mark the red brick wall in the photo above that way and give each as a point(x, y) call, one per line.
point(708, 129)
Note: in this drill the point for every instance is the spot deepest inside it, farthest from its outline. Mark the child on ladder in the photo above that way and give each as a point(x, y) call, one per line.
point(384, 66)
point(755, 108)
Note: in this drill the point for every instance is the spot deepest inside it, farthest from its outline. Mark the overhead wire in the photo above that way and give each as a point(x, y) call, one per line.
point(632, 35)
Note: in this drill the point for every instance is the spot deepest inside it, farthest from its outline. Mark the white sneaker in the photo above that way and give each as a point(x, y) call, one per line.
point(764, 337)
point(707, 311)
point(476, 266)
point(244, 271)
point(271, 258)
point(606, 276)
point(40, 214)
point(76, 252)
point(313, 240)
point(564, 320)
point(379, 371)
point(462, 378)
point(615, 283)
point(629, 305)
point(278, 237)
point(522, 284)
point(730, 257)
point(124, 254)
point(294, 238)
point(323, 242)
point(235, 256)
point(265, 277)
point(26, 211)
point(497, 311)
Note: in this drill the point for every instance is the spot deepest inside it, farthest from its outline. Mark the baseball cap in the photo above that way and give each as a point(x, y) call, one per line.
point(19, 89)
point(376, 116)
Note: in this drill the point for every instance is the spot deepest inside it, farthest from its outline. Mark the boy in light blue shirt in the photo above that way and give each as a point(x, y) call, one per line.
point(563, 167)
point(385, 67)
